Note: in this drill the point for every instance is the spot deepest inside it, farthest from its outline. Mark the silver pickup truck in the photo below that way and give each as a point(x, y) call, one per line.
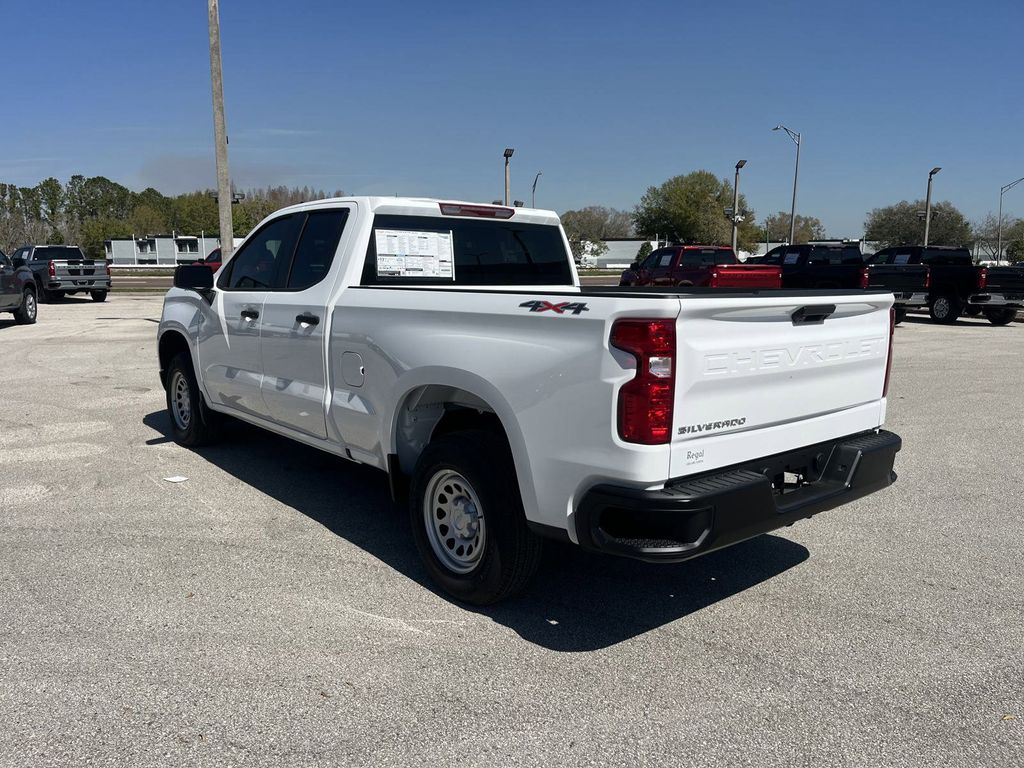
point(61, 270)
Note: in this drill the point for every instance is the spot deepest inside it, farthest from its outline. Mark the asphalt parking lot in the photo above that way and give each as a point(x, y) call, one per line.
point(270, 609)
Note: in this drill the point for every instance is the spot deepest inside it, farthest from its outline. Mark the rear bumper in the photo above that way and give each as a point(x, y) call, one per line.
point(911, 299)
point(79, 284)
point(695, 515)
point(997, 299)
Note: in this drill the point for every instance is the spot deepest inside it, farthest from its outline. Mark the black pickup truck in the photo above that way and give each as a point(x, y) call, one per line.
point(842, 265)
point(63, 270)
point(17, 291)
point(819, 265)
point(958, 285)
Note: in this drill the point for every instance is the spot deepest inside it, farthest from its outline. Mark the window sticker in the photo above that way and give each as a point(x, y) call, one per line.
point(404, 253)
point(791, 258)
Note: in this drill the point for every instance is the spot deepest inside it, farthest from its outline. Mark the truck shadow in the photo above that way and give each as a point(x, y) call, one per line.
point(578, 602)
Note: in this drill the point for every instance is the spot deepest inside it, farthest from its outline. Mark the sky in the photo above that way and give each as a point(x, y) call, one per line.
point(604, 98)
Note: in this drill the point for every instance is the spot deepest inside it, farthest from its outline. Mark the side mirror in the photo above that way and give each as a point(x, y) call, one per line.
point(194, 277)
point(18, 262)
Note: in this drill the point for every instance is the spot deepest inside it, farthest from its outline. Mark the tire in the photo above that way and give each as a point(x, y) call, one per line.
point(26, 313)
point(192, 423)
point(901, 315)
point(98, 295)
point(466, 481)
point(972, 310)
point(1001, 315)
point(50, 297)
point(945, 309)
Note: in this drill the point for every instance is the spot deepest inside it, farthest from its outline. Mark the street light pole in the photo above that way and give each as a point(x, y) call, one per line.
point(508, 179)
point(533, 195)
point(736, 203)
point(928, 205)
point(796, 175)
point(999, 237)
point(220, 134)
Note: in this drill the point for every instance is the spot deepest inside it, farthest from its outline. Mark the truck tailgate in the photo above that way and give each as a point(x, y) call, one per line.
point(756, 367)
point(898, 278)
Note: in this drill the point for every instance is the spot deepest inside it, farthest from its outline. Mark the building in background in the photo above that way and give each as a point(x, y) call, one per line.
point(159, 250)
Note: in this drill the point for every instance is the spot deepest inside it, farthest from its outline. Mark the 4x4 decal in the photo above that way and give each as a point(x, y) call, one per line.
point(538, 305)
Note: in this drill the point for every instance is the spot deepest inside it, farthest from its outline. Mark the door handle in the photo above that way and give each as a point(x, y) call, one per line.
point(250, 314)
point(307, 318)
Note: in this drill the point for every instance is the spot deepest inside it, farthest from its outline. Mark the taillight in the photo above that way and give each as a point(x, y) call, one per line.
point(108, 270)
point(888, 360)
point(646, 402)
point(51, 270)
point(983, 278)
point(927, 278)
point(865, 278)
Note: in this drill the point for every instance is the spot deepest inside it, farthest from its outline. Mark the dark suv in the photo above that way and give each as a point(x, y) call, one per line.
point(17, 291)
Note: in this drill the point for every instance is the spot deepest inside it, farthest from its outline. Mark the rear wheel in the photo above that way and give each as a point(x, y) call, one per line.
point(900, 315)
point(98, 295)
point(51, 297)
point(1001, 315)
point(467, 518)
point(192, 423)
point(26, 313)
point(972, 310)
point(945, 309)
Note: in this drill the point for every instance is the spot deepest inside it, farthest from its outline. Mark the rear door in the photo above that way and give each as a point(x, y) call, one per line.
point(229, 347)
point(662, 270)
point(754, 379)
point(294, 321)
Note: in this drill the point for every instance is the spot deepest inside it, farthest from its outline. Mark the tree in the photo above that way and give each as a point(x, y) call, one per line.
point(900, 224)
point(645, 250)
point(587, 227)
point(691, 209)
point(986, 233)
point(97, 230)
point(777, 228)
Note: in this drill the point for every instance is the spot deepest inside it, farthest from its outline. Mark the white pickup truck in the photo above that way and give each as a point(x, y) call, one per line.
point(451, 345)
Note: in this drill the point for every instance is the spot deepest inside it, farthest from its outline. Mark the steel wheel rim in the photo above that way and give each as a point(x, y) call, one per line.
point(30, 305)
point(454, 521)
point(181, 401)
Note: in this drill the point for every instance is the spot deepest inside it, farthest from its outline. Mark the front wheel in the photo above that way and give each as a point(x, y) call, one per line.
point(26, 313)
point(900, 315)
point(945, 309)
point(1001, 315)
point(98, 295)
point(192, 423)
point(467, 518)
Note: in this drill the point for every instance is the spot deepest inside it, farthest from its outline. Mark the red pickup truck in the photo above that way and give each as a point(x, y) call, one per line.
point(710, 266)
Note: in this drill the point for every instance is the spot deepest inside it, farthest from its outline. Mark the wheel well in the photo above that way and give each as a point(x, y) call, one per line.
point(171, 343)
point(431, 411)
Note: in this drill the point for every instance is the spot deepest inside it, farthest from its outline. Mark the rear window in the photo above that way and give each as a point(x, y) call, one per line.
point(845, 255)
point(50, 252)
point(435, 250)
point(708, 257)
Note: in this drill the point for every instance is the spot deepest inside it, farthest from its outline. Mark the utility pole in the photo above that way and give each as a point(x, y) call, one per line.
point(533, 195)
point(220, 135)
point(928, 205)
point(736, 203)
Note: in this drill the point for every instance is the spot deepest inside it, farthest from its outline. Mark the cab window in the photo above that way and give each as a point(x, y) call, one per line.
point(255, 266)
